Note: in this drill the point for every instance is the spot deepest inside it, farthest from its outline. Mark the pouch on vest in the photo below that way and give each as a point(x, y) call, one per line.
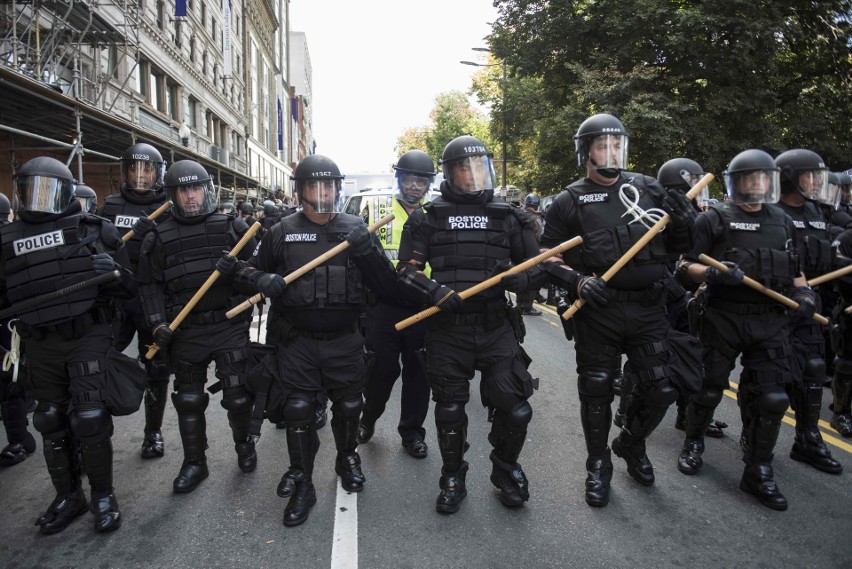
point(685, 362)
point(261, 373)
point(126, 381)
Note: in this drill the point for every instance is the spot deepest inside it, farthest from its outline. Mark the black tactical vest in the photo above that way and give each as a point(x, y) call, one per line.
point(468, 241)
point(812, 228)
point(760, 246)
point(336, 284)
point(124, 209)
point(191, 251)
point(44, 257)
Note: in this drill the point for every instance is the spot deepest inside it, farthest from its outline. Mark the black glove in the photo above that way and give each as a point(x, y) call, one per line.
point(360, 241)
point(679, 209)
point(593, 291)
point(163, 334)
point(447, 299)
point(732, 277)
point(270, 285)
point(566, 278)
point(143, 225)
point(806, 297)
point(103, 263)
point(228, 265)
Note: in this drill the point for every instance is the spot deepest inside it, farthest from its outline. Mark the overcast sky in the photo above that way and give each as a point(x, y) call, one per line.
point(378, 65)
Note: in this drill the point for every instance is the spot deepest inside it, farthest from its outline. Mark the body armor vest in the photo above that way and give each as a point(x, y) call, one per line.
point(760, 246)
point(269, 220)
point(812, 228)
point(468, 242)
point(608, 234)
point(44, 257)
point(191, 251)
point(336, 284)
point(124, 209)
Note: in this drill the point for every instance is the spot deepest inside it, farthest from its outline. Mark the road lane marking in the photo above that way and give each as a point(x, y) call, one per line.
point(344, 549)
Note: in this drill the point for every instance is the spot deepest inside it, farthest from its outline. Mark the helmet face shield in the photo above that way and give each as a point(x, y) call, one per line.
point(845, 193)
point(412, 188)
point(193, 198)
point(471, 174)
point(813, 183)
point(754, 186)
point(141, 175)
point(42, 193)
point(607, 152)
point(321, 195)
point(691, 179)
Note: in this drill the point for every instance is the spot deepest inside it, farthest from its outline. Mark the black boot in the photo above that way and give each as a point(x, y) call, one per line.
point(348, 467)
point(299, 507)
point(365, 430)
point(243, 443)
point(841, 388)
point(105, 507)
point(511, 481)
point(348, 462)
point(760, 433)
point(453, 490)
point(155, 407)
point(60, 455)
point(633, 453)
point(598, 479)
point(808, 447)
point(21, 442)
point(302, 447)
point(64, 509)
point(758, 479)
point(689, 462)
point(698, 417)
point(193, 428)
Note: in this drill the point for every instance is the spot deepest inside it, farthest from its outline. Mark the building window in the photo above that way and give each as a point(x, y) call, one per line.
point(203, 15)
point(161, 15)
point(192, 111)
point(171, 100)
point(192, 49)
point(213, 28)
point(204, 64)
point(177, 33)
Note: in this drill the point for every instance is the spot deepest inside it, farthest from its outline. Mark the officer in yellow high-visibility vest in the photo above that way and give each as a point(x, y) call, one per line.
point(414, 176)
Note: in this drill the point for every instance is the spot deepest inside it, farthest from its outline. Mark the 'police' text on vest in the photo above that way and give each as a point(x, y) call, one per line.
point(468, 221)
point(38, 242)
point(301, 238)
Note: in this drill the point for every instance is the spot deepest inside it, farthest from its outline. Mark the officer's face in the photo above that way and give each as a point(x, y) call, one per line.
point(320, 194)
point(141, 176)
point(190, 198)
point(753, 186)
point(470, 175)
point(810, 182)
point(606, 152)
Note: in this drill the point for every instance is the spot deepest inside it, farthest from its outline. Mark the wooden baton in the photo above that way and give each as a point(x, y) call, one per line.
point(830, 276)
point(154, 215)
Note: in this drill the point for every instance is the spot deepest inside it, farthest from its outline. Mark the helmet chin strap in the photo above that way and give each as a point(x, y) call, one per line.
point(610, 173)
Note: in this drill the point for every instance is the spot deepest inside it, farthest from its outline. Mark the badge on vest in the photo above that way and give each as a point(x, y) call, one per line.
point(125, 221)
point(592, 198)
point(38, 242)
point(798, 224)
point(817, 225)
point(467, 222)
point(300, 238)
point(744, 226)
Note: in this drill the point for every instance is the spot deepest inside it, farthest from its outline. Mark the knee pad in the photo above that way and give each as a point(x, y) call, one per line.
point(772, 402)
point(48, 419)
point(842, 366)
point(520, 415)
point(595, 383)
point(189, 402)
point(91, 421)
point(709, 397)
point(157, 369)
point(449, 413)
point(237, 400)
point(350, 407)
point(814, 371)
point(662, 394)
point(298, 411)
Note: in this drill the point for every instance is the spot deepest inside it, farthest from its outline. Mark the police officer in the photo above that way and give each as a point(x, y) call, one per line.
point(270, 215)
point(757, 239)
point(66, 340)
point(525, 299)
point(625, 315)
point(413, 178)
point(247, 213)
point(87, 197)
point(804, 180)
point(227, 208)
point(841, 217)
point(845, 182)
point(314, 323)
point(13, 397)
point(140, 193)
point(841, 336)
point(176, 259)
point(466, 235)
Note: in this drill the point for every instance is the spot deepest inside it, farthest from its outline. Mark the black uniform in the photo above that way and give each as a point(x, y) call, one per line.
point(175, 261)
point(465, 241)
point(66, 348)
point(124, 210)
point(633, 322)
point(841, 336)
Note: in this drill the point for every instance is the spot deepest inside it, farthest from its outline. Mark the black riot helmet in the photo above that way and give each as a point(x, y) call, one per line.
point(845, 181)
point(5, 209)
point(533, 201)
point(191, 190)
point(269, 208)
point(601, 141)
point(43, 185)
point(752, 177)
point(226, 207)
point(468, 168)
point(835, 188)
point(142, 168)
point(246, 208)
point(319, 184)
point(804, 171)
point(414, 176)
point(87, 197)
point(681, 174)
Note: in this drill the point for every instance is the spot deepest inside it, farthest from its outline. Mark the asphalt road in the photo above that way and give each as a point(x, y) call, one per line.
point(234, 519)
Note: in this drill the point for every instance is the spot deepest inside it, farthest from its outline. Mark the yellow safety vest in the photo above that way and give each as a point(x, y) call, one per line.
point(389, 235)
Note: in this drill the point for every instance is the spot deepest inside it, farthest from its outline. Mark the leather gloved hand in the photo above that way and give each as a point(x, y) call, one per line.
point(143, 225)
point(593, 291)
point(162, 334)
point(446, 299)
point(360, 241)
point(228, 265)
point(732, 277)
point(271, 285)
point(806, 297)
point(103, 263)
point(679, 208)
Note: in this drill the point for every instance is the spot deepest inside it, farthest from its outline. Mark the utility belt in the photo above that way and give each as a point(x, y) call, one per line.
point(647, 296)
point(283, 330)
point(197, 318)
point(492, 315)
point(74, 328)
point(746, 308)
point(324, 336)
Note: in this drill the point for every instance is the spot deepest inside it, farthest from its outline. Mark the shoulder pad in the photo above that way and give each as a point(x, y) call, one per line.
point(239, 225)
point(522, 215)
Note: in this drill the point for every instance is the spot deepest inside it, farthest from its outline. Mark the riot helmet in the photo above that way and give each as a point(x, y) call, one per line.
point(5, 209)
point(269, 208)
point(246, 208)
point(190, 188)
point(845, 181)
point(318, 183)
point(142, 168)
point(803, 171)
point(682, 174)
point(44, 185)
point(413, 177)
point(832, 193)
point(752, 178)
point(468, 168)
point(87, 197)
point(533, 201)
point(226, 207)
point(601, 141)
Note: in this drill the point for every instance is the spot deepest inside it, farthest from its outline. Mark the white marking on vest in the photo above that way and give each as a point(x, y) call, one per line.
point(38, 242)
point(593, 198)
point(125, 221)
point(300, 238)
point(799, 224)
point(817, 225)
point(742, 226)
point(468, 221)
